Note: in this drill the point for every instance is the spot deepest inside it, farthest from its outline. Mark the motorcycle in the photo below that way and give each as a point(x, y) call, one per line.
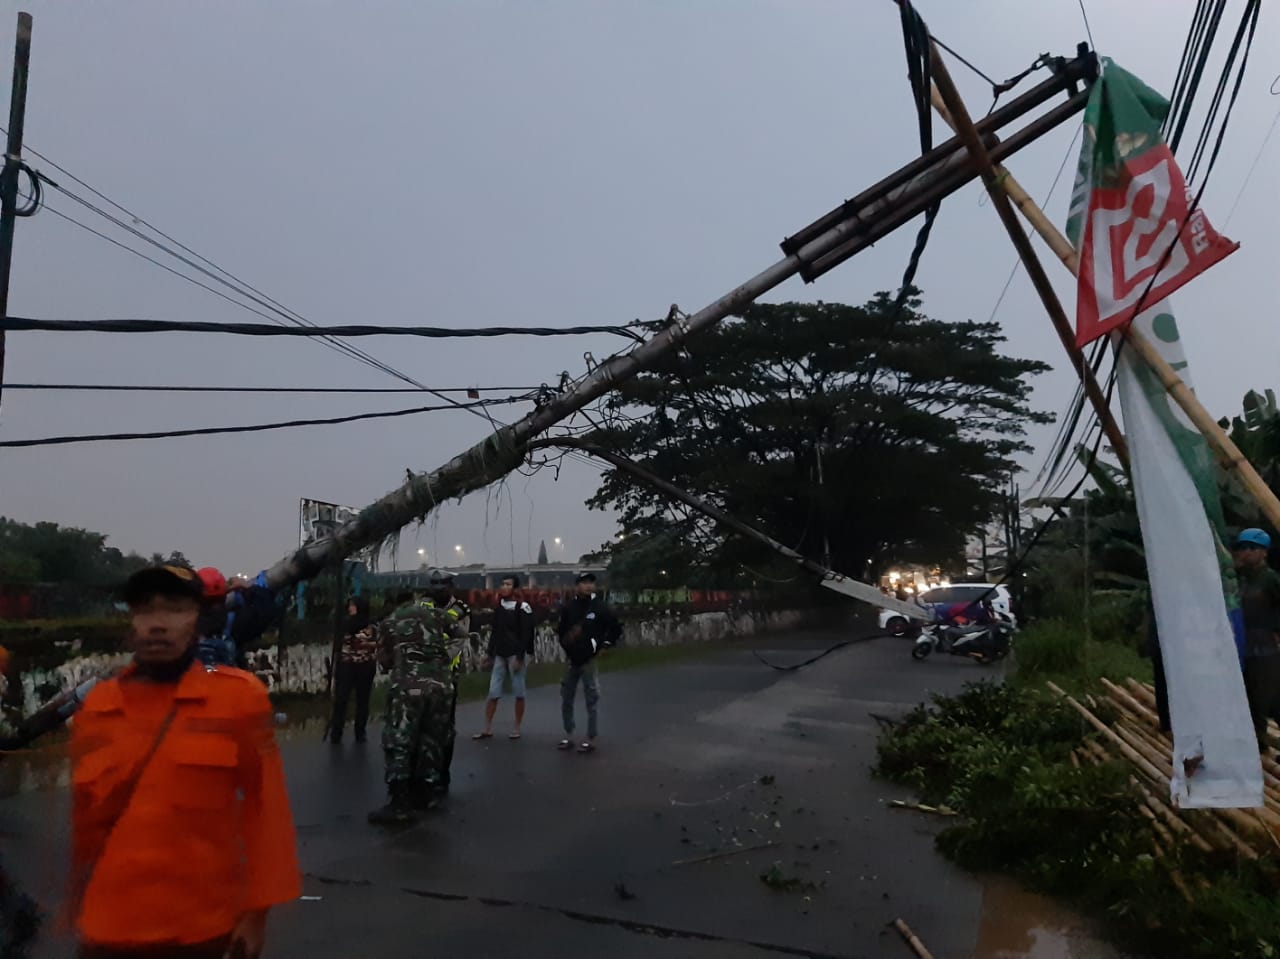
point(986, 643)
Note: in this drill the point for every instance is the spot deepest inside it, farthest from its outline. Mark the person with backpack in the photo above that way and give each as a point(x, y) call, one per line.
point(511, 648)
point(587, 626)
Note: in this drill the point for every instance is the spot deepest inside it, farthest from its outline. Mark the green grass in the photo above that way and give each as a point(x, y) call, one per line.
point(1058, 650)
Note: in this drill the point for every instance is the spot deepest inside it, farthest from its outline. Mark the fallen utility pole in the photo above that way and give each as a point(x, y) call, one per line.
point(832, 580)
point(1228, 453)
point(824, 244)
point(13, 166)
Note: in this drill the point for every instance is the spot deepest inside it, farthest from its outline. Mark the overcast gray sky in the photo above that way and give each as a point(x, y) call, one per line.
point(475, 163)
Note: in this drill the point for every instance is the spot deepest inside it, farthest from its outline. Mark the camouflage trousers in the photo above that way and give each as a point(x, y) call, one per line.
point(418, 734)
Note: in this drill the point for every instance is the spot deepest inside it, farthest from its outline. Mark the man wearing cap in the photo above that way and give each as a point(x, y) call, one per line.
point(182, 837)
point(587, 626)
point(415, 647)
point(1260, 604)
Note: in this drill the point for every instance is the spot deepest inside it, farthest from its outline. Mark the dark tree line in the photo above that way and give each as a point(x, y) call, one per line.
point(49, 553)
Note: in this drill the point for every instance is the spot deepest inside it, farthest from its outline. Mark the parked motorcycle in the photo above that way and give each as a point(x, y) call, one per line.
point(985, 642)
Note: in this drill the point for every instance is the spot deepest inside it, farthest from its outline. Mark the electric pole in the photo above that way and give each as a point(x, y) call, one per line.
point(13, 166)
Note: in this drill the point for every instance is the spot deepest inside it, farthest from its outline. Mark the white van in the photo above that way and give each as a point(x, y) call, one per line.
point(895, 624)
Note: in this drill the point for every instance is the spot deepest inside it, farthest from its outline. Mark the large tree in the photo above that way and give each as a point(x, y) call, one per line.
point(879, 433)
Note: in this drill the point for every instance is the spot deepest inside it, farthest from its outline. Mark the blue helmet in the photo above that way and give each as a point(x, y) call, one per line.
point(1253, 537)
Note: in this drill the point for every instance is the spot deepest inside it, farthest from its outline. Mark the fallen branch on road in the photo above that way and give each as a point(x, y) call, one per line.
point(912, 940)
point(726, 853)
point(921, 807)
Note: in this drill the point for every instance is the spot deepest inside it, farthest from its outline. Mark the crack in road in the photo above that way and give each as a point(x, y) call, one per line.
point(629, 925)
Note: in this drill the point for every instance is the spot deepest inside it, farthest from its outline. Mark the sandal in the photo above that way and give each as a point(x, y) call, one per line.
point(564, 744)
point(586, 746)
point(479, 736)
point(514, 735)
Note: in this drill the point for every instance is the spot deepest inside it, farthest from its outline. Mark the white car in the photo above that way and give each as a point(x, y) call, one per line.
point(939, 597)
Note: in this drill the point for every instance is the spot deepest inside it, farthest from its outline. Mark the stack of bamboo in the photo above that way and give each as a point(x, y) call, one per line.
point(1133, 735)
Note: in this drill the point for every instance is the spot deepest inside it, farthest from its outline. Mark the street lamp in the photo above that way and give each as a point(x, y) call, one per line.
point(458, 549)
point(422, 552)
point(559, 541)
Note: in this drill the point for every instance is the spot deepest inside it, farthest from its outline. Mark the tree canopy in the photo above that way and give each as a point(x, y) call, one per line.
point(883, 434)
point(49, 553)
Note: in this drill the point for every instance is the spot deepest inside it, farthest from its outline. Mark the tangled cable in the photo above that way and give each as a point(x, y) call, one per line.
point(916, 39)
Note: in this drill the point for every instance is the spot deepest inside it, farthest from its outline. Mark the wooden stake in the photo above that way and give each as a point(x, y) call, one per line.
point(916, 945)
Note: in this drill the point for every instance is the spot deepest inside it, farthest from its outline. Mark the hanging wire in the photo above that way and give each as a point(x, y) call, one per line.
point(253, 428)
point(1275, 121)
point(157, 388)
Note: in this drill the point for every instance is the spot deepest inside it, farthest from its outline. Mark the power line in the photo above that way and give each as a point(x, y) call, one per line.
point(1252, 168)
point(131, 325)
point(291, 315)
point(254, 428)
point(1087, 29)
point(1017, 263)
point(266, 302)
point(123, 388)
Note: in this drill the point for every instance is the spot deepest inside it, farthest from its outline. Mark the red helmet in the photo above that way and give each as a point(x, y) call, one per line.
point(213, 582)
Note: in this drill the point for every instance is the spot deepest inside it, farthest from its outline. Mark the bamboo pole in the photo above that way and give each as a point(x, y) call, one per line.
point(1108, 733)
point(1145, 758)
point(1002, 181)
point(912, 940)
point(1271, 784)
point(1169, 817)
point(968, 133)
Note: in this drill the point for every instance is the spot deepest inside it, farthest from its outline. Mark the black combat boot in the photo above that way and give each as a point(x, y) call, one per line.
point(425, 796)
point(399, 808)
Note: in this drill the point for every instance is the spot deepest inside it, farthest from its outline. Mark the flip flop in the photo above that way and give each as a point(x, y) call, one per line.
point(479, 736)
point(564, 744)
point(586, 747)
point(514, 736)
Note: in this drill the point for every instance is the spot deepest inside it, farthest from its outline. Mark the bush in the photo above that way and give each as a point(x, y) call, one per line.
point(1001, 756)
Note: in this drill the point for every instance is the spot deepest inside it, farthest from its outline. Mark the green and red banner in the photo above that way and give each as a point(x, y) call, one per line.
point(1140, 238)
point(1125, 192)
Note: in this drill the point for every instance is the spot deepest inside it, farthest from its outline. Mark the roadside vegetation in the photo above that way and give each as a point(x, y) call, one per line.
point(1001, 757)
point(1007, 758)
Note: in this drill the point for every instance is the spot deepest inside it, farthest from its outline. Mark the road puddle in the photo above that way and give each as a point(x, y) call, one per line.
point(1017, 924)
point(46, 766)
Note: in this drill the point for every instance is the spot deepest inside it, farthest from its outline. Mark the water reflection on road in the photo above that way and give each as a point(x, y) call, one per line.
point(1017, 924)
point(46, 766)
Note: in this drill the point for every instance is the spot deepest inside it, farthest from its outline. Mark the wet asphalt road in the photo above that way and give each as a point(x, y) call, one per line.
point(544, 854)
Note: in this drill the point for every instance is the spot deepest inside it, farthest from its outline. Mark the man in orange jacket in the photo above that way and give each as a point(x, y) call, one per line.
point(182, 834)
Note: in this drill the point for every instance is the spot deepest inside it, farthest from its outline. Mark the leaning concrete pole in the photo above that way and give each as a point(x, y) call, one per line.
point(819, 247)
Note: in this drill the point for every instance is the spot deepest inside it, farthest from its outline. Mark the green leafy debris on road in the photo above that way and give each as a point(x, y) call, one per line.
point(777, 880)
point(1001, 757)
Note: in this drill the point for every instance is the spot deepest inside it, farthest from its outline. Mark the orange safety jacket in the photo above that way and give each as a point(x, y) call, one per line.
point(208, 834)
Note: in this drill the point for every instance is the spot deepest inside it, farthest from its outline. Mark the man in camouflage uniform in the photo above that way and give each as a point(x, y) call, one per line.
point(442, 583)
point(417, 644)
